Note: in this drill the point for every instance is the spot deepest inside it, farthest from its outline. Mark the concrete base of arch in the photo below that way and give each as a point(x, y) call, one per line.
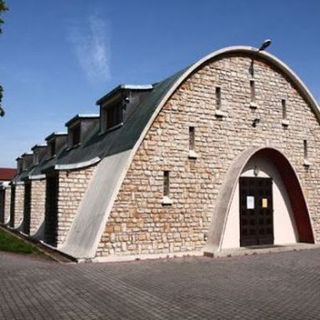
point(228, 188)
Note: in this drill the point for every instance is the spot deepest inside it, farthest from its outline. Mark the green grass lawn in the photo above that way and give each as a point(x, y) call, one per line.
point(10, 243)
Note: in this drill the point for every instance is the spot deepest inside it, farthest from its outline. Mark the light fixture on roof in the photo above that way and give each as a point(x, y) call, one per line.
point(266, 43)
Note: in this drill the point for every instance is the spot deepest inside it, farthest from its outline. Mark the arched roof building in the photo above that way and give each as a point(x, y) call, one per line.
point(222, 154)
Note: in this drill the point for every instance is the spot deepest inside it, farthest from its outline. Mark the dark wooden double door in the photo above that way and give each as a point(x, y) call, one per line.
point(256, 211)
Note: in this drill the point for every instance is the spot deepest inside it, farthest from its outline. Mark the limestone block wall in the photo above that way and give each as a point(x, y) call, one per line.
point(18, 205)
point(37, 207)
point(7, 205)
point(140, 223)
point(72, 186)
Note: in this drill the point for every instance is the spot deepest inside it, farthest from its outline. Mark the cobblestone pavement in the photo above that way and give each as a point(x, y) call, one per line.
point(270, 286)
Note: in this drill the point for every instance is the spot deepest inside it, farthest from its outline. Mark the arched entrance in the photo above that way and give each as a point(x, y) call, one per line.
point(254, 195)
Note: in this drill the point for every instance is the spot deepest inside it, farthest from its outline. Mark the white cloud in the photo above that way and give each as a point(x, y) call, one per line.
point(91, 44)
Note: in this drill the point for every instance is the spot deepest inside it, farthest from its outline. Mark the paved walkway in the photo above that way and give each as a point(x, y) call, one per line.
point(271, 286)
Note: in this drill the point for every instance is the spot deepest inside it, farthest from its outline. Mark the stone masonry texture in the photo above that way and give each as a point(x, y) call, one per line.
point(19, 205)
point(72, 186)
point(37, 208)
point(140, 224)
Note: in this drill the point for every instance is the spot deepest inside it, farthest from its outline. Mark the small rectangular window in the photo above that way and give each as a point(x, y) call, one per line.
point(284, 109)
point(114, 116)
point(191, 138)
point(218, 97)
point(305, 149)
point(252, 91)
point(166, 183)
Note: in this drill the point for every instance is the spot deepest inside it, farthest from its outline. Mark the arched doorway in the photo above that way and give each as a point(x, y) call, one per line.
point(261, 202)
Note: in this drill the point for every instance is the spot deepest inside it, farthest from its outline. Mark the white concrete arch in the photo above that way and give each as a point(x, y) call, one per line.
point(225, 198)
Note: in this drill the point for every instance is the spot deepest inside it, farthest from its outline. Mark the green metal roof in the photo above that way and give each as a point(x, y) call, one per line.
point(112, 142)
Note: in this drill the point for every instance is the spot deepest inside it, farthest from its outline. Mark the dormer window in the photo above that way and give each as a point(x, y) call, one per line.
point(117, 105)
point(79, 127)
point(75, 134)
point(27, 161)
point(56, 141)
point(39, 152)
point(114, 116)
point(111, 117)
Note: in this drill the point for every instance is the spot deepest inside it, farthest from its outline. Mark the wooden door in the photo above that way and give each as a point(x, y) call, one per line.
point(256, 211)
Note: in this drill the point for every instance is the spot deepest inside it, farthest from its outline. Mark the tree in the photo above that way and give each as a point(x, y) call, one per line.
point(3, 8)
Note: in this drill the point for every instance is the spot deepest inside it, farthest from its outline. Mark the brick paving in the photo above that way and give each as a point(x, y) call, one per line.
point(271, 286)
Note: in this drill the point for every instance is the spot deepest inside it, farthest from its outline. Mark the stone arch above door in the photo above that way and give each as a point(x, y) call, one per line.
point(289, 177)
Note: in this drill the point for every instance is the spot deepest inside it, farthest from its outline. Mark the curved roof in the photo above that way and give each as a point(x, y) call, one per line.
point(139, 123)
point(97, 146)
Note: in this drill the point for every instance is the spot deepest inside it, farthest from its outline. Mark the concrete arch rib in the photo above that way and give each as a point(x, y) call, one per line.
point(291, 181)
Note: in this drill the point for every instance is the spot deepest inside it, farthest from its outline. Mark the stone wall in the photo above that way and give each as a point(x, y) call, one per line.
point(18, 205)
point(139, 222)
point(37, 208)
point(72, 186)
point(7, 204)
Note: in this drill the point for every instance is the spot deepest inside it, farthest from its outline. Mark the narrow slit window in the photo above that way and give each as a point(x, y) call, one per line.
point(284, 109)
point(218, 97)
point(252, 91)
point(166, 183)
point(191, 138)
point(305, 149)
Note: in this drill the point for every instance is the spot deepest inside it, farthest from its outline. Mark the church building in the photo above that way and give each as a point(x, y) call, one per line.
point(222, 155)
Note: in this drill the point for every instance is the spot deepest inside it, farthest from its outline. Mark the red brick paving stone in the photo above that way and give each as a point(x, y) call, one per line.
point(272, 286)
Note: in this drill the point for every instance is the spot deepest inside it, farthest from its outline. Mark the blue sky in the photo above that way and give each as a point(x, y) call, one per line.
point(58, 57)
